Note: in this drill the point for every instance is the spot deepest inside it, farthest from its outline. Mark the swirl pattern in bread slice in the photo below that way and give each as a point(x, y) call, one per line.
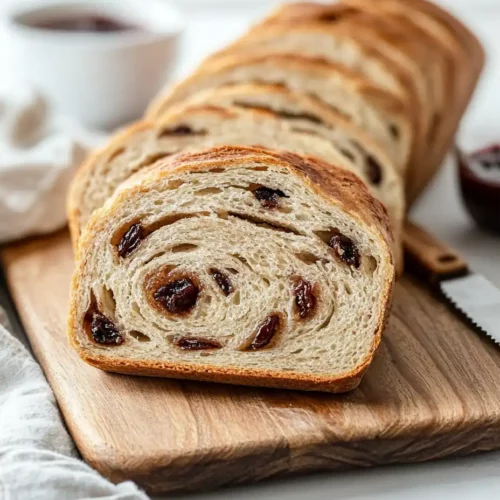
point(235, 265)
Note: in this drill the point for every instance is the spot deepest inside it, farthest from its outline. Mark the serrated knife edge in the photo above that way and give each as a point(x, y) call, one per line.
point(469, 293)
point(478, 299)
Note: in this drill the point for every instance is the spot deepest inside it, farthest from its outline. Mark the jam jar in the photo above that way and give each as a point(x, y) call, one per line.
point(480, 185)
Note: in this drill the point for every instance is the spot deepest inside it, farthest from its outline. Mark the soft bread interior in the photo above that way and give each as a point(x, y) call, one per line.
point(305, 115)
point(200, 220)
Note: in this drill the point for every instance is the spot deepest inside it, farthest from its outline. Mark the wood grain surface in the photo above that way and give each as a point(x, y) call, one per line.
point(431, 392)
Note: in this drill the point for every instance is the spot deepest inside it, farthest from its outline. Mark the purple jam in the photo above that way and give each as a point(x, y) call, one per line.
point(84, 23)
point(480, 185)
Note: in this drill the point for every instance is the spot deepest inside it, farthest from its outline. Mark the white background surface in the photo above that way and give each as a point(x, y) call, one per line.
point(214, 23)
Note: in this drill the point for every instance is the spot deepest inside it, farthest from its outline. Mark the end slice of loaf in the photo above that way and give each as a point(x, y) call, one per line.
point(235, 265)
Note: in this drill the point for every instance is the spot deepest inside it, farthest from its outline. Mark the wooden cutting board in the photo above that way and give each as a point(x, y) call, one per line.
point(432, 391)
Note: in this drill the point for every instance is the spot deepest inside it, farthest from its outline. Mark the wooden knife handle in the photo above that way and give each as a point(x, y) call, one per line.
point(429, 257)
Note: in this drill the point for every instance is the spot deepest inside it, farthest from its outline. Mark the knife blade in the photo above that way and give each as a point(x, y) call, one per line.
point(470, 293)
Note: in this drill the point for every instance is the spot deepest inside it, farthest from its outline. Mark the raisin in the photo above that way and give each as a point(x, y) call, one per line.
point(304, 298)
point(222, 280)
point(328, 18)
point(347, 154)
point(104, 331)
point(265, 333)
point(181, 130)
point(269, 198)
point(374, 171)
point(394, 130)
point(195, 343)
point(287, 115)
point(337, 15)
point(131, 240)
point(178, 296)
point(346, 250)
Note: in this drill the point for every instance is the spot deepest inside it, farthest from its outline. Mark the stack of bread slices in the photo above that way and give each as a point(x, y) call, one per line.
point(249, 229)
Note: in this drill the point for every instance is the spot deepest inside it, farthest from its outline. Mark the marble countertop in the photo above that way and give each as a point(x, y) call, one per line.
point(214, 23)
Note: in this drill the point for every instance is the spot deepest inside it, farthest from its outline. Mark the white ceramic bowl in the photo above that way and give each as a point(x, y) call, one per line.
point(102, 79)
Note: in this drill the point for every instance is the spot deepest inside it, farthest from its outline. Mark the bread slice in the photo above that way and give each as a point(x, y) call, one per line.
point(305, 114)
point(235, 265)
point(188, 128)
point(381, 114)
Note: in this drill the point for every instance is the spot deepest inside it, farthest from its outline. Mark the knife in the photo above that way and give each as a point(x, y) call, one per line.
point(468, 292)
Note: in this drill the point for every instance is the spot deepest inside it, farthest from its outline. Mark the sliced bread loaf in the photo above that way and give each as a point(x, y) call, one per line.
point(235, 265)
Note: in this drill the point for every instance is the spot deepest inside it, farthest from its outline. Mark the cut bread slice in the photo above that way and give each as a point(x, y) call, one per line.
point(235, 265)
point(188, 128)
point(305, 114)
point(379, 113)
point(301, 111)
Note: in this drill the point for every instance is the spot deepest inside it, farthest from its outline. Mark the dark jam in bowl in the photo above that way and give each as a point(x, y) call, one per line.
point(480, 184)
point(83, 23)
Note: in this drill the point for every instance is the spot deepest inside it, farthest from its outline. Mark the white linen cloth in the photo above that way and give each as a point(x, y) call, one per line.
point(38, 460)
point(39, 151)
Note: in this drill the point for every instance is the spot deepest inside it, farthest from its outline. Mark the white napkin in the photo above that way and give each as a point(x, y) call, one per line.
point(38, 460)
point(39, 151)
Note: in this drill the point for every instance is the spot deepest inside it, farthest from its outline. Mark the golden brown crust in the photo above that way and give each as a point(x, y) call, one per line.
point(78, 183)
point(230, 375)
point(337, 185)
